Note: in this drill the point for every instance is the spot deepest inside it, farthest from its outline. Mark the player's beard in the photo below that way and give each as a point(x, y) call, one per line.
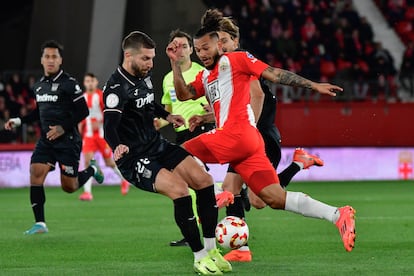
point(137, 71)
point(215, 60)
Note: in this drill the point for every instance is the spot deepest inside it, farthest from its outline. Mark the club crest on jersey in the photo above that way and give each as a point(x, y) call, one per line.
point(251, 57)
point(223, 66)
point(55, 86)
point(148, 82)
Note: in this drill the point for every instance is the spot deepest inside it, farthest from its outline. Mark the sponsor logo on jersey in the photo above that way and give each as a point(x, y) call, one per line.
point(46, 98)
point(143, 101)
point(114, 86)
point(38, 89)
point(213, 93)
point(55, 86)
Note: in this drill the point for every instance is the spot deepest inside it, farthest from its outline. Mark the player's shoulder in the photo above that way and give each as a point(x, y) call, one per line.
point(239, 53)
point(66, 77)
point(114, 83)
point(68, 83)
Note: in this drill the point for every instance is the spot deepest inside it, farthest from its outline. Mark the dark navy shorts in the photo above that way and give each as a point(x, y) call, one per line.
point(142, 171)
point(66, 152)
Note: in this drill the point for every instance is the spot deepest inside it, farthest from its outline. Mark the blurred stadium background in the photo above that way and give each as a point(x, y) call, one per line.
point(365, 46)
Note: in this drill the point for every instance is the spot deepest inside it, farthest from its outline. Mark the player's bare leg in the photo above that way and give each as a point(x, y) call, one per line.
point(300, 203)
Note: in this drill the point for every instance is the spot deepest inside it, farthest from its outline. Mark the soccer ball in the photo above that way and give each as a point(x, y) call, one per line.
point(232, 232)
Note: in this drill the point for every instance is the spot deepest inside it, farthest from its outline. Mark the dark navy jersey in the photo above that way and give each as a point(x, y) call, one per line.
point(58, 99)
point(129, 114)
point(266, 122)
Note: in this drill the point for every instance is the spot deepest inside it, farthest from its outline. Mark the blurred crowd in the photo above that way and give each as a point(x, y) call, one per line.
point(319, 39)
point(323, 41)
point(17, 100)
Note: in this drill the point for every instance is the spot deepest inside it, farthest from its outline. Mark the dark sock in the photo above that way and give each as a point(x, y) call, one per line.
point(38, 199)
point(207, 211)
point(84, 175)
point(187, 222)
point(286, 176)
point(236, 209)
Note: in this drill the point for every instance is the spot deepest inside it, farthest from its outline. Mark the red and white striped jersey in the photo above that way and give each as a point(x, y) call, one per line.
point(227, 87)
point(95, 104)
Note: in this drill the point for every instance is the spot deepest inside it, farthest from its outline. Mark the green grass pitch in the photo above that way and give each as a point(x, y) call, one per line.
point(129, 235)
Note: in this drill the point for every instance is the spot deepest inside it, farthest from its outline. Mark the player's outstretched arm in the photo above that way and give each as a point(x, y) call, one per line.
point(184, 92)
point(285, 77)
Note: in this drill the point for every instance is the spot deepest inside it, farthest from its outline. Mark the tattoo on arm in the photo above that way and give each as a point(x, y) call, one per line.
point(191, 89)
point(289, 78)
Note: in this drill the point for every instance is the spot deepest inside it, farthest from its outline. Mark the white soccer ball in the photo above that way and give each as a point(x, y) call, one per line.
point(232, 232)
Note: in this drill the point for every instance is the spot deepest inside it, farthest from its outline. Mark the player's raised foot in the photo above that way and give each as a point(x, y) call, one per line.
point(124, 187)
point(86, 196)
point(238, 256)
point(206, 266)
point(346, 226)
point(219, 260)
point(224, 198)
point(98, 175)
point(37, 228)
point(300, 155)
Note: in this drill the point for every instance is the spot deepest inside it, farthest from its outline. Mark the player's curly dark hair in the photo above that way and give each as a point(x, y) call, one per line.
point(210, 17)
point(210, 23)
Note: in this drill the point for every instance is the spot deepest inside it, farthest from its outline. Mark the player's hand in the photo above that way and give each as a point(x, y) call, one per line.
point(207, 108)
point(174, 50)
point(54, 132)
point(157, 123)
point(12, 123)
point(176, 120)
point(327, 88)
point(195, 121)
point(120, 151)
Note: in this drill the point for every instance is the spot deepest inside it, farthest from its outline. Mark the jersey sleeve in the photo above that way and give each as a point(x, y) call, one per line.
point(113, 98)
point(198, 85)
point(250, 64)
point(114, 105)
point(80, 108)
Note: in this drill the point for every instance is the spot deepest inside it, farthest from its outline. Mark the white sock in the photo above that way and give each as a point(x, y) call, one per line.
point(209, 243)
point(300, 203)
point(200, 254)
point(300, 164)
point(87, 187)
point(244, 248)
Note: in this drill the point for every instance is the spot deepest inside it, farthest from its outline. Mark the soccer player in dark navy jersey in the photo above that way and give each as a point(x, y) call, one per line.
point(60, 107)
point(150, 162)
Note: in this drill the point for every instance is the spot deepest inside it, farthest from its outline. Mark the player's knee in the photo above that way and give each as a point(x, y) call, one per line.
point(70, 186)
point(68, 189)
point(276, 204)
point(258, 204)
